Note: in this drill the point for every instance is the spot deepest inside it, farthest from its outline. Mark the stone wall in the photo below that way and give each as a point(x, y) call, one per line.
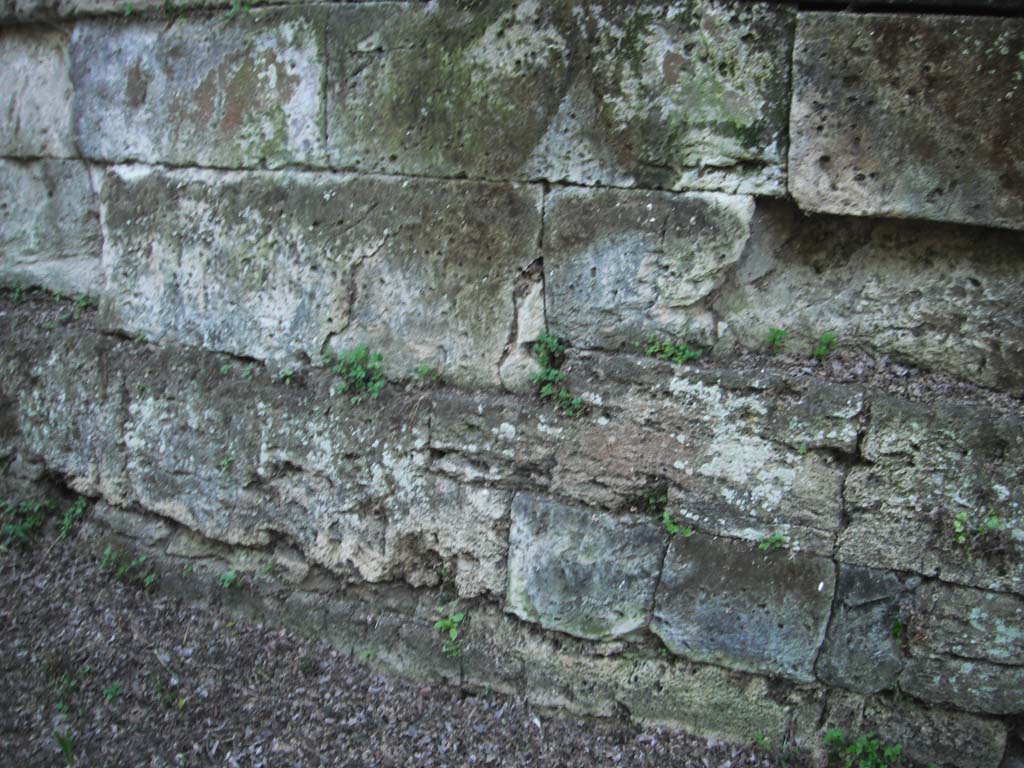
point(745, 541)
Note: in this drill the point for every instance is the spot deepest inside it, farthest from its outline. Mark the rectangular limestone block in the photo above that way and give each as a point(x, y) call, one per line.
point(35, 93)
point(49, 225)
point(728, 603)
point(279, 265)
point(581, 571)
point(622, 265)
point(235, 92)
point(674, 94)
point(967, 649)
point(940, 494)
point(911, 116)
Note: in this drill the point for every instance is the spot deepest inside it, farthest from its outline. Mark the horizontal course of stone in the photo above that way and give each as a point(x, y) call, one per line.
point(667, 94)
point(245, 190)
point(537, 516)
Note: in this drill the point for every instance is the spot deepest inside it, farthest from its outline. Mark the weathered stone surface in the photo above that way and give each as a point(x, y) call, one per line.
point(909, 115)
point(737, 453)
point(862, 649)
point(49, 226)
point(730, 447)
point(680, 94)
point(927, 464)
point(576, 675)
point(725, 602)
point(968, 623)
point(942, 297)
point(278, 266)
point(972, 685)
point(967, 648)
point(580, 571)
point(240, 92)
point(69, 400)
point(35, 94)
point(928, 735)
point(620, 266)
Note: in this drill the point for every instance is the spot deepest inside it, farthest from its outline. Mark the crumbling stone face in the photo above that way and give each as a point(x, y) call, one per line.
point(338, 251)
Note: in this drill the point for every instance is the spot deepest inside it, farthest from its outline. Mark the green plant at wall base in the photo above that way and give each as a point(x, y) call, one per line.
point(664, 349)
point(449, 626)
point(66, 742)
point(827, 343)
point(112, 692)
point(20, 521)
point(229, 579)
point(225, 369)
point(286, 375)
point(775, 541)
point(867, 751)
point(898, 628)
point(775, 339)
point(71, 515)
point(360, 370)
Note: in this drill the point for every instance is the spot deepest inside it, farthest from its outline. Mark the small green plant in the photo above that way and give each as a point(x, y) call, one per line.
point(237, 7)
point(71, 515)
point(550, 352)
point(450, 627)
point(20, 521)
point(225, 464)
point(664, 349)
point(128, 10)
point(360, 370)
point(129, 571)
point(142, 339)
point(225, 369)
point(247, 372)
point(762, 741)
point(286, 375)
point(898, 628)
point(367, 655)
point(18, 293)
point(84, 301)
point(827, 344)
point(66, 742)
point(775, 339)
point(112, 692)
point(229, 579)
point(969, 530)
point(867, 751)
point(427, 373)
point(775, 541)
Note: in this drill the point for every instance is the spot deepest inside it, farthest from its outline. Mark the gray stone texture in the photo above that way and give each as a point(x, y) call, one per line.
point(927, 463)
point(277, 266)
point(620, 266)
point(913, 116)
point(863, 646)
point(49, 225)
point(214, 91)
point(579, 571)
point(682, 94)
point(727, 603)
point(941, 297)
point(35, 93)
point(967, 649)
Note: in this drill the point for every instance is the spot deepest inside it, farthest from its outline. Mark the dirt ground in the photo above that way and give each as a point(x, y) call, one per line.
point(124, 675)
